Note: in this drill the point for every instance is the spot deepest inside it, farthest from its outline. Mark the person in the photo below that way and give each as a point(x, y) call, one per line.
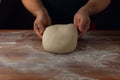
point(78, 12)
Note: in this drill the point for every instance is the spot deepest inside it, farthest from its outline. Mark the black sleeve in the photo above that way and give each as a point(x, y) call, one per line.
point(13, 15)
point(62, 11)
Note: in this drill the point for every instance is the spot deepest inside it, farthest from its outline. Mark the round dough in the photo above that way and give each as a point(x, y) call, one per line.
point(60, 38)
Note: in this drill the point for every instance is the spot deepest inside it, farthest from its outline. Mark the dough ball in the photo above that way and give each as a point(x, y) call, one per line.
point(60, 38)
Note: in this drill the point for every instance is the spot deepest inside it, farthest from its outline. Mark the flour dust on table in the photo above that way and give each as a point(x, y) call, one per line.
point(23, 55)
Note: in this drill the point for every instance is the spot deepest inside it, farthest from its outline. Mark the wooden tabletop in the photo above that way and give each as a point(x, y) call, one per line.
point(22, 57)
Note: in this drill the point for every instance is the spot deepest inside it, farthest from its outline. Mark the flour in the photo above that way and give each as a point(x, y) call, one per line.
point(88, 37)
point(31, 60)
point(12, 34)
point(93, 57)
point(5, 43)
point(67, 75)
point(94, 38)
point(26, 64)
point(45, 62)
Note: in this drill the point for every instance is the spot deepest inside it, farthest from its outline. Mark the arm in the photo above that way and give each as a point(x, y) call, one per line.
point(34, 6)
point(95, 6)
point(42, 17)
point(82, 17)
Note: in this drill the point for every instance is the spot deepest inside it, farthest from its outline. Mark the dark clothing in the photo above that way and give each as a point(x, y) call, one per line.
point(63, 11)
point(8, 11)
point(13, 15)
point(109, 19)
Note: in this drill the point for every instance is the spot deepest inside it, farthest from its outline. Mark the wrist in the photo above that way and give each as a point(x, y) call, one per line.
point(83, 11)
point(88, 10)
point(41, 12)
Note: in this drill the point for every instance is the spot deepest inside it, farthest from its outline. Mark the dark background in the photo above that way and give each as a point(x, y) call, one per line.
point(110, 17)
point(13, 15)
point(22, 19)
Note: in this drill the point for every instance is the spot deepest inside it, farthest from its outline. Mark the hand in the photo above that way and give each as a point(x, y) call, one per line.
point(82, 22)
point(41, 21)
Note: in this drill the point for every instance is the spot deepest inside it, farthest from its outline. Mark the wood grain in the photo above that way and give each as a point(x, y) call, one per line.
point(22, 57)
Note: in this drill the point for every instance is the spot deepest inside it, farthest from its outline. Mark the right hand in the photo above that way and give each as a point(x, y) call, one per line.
point(42, 20)
point(82, 22)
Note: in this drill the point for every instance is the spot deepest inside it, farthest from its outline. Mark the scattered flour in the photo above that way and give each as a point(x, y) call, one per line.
point(44, 62)
point(1, 43)
point(67, 75)
point(93, 57)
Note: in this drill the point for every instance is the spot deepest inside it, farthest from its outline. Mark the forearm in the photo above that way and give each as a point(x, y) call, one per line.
point(34, 6)
point(95, 6)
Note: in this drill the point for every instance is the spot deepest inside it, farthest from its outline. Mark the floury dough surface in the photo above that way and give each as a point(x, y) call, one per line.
point(60, 38)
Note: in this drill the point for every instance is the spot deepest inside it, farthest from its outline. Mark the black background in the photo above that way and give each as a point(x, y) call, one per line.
point(22, 19)
point(110, 17)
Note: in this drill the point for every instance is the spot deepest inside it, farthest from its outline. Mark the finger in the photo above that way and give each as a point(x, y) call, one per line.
point(38, 31)
point(41, 29)
point(81, 25)
point(76, 21)
point(82, 29)
point(85, 25)
point(76, 24)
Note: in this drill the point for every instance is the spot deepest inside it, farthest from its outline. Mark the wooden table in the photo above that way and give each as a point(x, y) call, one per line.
point(22, 57)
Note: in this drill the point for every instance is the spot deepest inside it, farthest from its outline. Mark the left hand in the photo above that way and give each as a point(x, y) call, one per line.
point(42, 20)
point(82, 22)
